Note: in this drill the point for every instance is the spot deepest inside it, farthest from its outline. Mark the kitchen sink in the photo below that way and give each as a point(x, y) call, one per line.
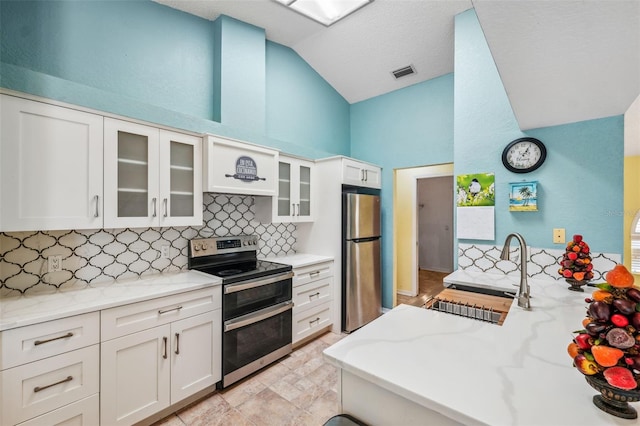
point(471, 302)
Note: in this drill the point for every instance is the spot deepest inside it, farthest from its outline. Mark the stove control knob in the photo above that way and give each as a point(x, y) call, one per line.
point(196, 247)
point(204, 246)
point(254, 242)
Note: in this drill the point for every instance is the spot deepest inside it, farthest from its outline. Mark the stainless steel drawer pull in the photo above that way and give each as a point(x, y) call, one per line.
point(317, 320)
point(314, 273)
point(177, 308)
point(166, 211)
point(314, 294)
point(155, 207)
point(40, 342)
point(97, 198)
point(41, 388)
point(177, 351)
point(164, 353)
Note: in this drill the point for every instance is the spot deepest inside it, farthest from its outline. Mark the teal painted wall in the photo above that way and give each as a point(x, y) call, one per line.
point(301, 96)
point(146, 61)
point(409, 127)
point(580, 182)
point(139, 50)
point(240, 50)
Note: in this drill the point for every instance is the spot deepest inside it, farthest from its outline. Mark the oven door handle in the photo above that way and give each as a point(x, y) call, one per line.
point(233, 288)
point(254, 317)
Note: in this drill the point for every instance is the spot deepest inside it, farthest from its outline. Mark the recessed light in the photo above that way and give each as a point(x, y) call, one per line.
point(326, 12)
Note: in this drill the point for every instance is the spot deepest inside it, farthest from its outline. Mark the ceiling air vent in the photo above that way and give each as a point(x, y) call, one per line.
point(404, 71)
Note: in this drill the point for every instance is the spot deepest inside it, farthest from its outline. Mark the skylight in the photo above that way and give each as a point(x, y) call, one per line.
point(326, 12)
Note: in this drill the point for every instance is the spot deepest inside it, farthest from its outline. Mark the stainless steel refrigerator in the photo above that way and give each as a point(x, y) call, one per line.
point(361, 272)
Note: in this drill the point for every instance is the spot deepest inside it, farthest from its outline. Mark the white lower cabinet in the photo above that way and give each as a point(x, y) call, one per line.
point(84, 412)
point(146, 371)
point(312, 296)
point(39, 387)
point(49, 372)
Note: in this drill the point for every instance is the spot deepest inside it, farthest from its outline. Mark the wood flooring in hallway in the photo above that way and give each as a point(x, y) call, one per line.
point(430, 283)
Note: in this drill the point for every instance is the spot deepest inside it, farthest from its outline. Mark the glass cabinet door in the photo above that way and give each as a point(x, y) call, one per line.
point(304, 208)
point(133, 174)
point(130, 174)
point(180, 179)
point(285, 205)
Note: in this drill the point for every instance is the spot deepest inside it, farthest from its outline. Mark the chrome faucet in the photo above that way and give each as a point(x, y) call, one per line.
point(524, 293)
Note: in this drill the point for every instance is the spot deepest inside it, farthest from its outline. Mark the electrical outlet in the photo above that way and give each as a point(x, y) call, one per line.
point(558, 236)
point(166, 252)
point(54, 263)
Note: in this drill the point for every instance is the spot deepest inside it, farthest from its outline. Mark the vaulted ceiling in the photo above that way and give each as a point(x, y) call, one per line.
point(560, 61)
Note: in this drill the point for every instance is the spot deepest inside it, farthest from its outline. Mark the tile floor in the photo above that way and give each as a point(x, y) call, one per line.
point(300, 389)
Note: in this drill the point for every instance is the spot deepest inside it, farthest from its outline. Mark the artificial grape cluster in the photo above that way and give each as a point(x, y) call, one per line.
point(576, 261)
point(609, 344)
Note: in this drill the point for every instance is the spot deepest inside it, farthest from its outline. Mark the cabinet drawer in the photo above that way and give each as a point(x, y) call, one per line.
point(27, 344)
point(312, 272)
point(85, 412)
point(127, 319)
point(311, 294)
point(36, 388)
point(308, 322)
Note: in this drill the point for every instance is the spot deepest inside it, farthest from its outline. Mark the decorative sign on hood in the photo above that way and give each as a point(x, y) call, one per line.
point(246, 170)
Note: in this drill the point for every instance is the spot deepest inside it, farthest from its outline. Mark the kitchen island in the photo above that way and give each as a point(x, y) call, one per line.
point(417, 366)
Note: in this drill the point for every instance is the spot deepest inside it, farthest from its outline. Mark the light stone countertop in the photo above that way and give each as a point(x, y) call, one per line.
point(300, 260)
point(480, 373)
point(32, 309)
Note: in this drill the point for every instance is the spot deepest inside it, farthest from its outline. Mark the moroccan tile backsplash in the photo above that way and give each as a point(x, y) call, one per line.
point(542, 263)
point(105, 255)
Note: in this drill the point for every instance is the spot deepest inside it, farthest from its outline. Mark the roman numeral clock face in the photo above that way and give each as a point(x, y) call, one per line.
point(524, 155)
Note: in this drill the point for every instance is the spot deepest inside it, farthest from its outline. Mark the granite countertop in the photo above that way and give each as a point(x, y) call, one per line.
point(32, 309)
point(300, 260)
point(480, 373)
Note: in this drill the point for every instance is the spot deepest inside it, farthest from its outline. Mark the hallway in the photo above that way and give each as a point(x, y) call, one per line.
point(430, 284)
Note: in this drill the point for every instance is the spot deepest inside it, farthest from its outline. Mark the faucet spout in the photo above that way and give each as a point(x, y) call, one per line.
point(524, 293)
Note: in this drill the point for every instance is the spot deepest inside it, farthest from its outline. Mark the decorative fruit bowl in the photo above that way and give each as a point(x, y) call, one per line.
point(575, 285)
point(607, 349)
point(575, 265)
point(614, 400)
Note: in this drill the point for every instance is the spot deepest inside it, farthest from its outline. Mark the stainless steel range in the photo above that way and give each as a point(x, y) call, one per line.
point(256, 303)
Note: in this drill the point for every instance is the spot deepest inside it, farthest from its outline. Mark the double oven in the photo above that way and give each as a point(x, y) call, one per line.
point(256, 303)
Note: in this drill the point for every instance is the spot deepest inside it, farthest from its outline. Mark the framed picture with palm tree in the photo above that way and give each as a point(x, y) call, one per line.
point(523, 196)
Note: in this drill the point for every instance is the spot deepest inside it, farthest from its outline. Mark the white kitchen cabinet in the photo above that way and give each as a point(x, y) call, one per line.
point(85, 412)
point(47, 369)
point(236, 167)
point(312, 296)
point(361, 174)
point(149, 365)
point(153, 177)
point(294, 200)
point(51, 167)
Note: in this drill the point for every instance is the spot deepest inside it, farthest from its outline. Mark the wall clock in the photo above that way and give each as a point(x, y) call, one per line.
point(524, 155)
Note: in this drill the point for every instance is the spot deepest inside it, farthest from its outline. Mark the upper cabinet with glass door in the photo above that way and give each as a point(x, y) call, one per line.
point(294, 200)
point(153, 177)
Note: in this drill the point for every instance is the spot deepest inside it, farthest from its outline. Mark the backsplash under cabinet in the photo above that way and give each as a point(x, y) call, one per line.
point(101, 256)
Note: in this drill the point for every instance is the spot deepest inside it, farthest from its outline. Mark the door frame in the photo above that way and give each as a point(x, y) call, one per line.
point(414, 173)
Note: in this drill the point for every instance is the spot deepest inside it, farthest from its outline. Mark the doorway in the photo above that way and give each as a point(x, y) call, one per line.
point(423, 231)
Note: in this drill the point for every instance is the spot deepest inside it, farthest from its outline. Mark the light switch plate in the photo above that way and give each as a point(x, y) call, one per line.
point(558, 236)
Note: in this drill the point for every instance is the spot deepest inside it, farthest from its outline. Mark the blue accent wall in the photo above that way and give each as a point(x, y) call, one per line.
point(578, 185)
point(302, 106)
point(150, 62)
point(240, 50)
point(410, 127)
point(139, 50)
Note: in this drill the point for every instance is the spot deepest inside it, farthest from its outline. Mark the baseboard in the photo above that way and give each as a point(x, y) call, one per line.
point(406, 293)
point(443, 270)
